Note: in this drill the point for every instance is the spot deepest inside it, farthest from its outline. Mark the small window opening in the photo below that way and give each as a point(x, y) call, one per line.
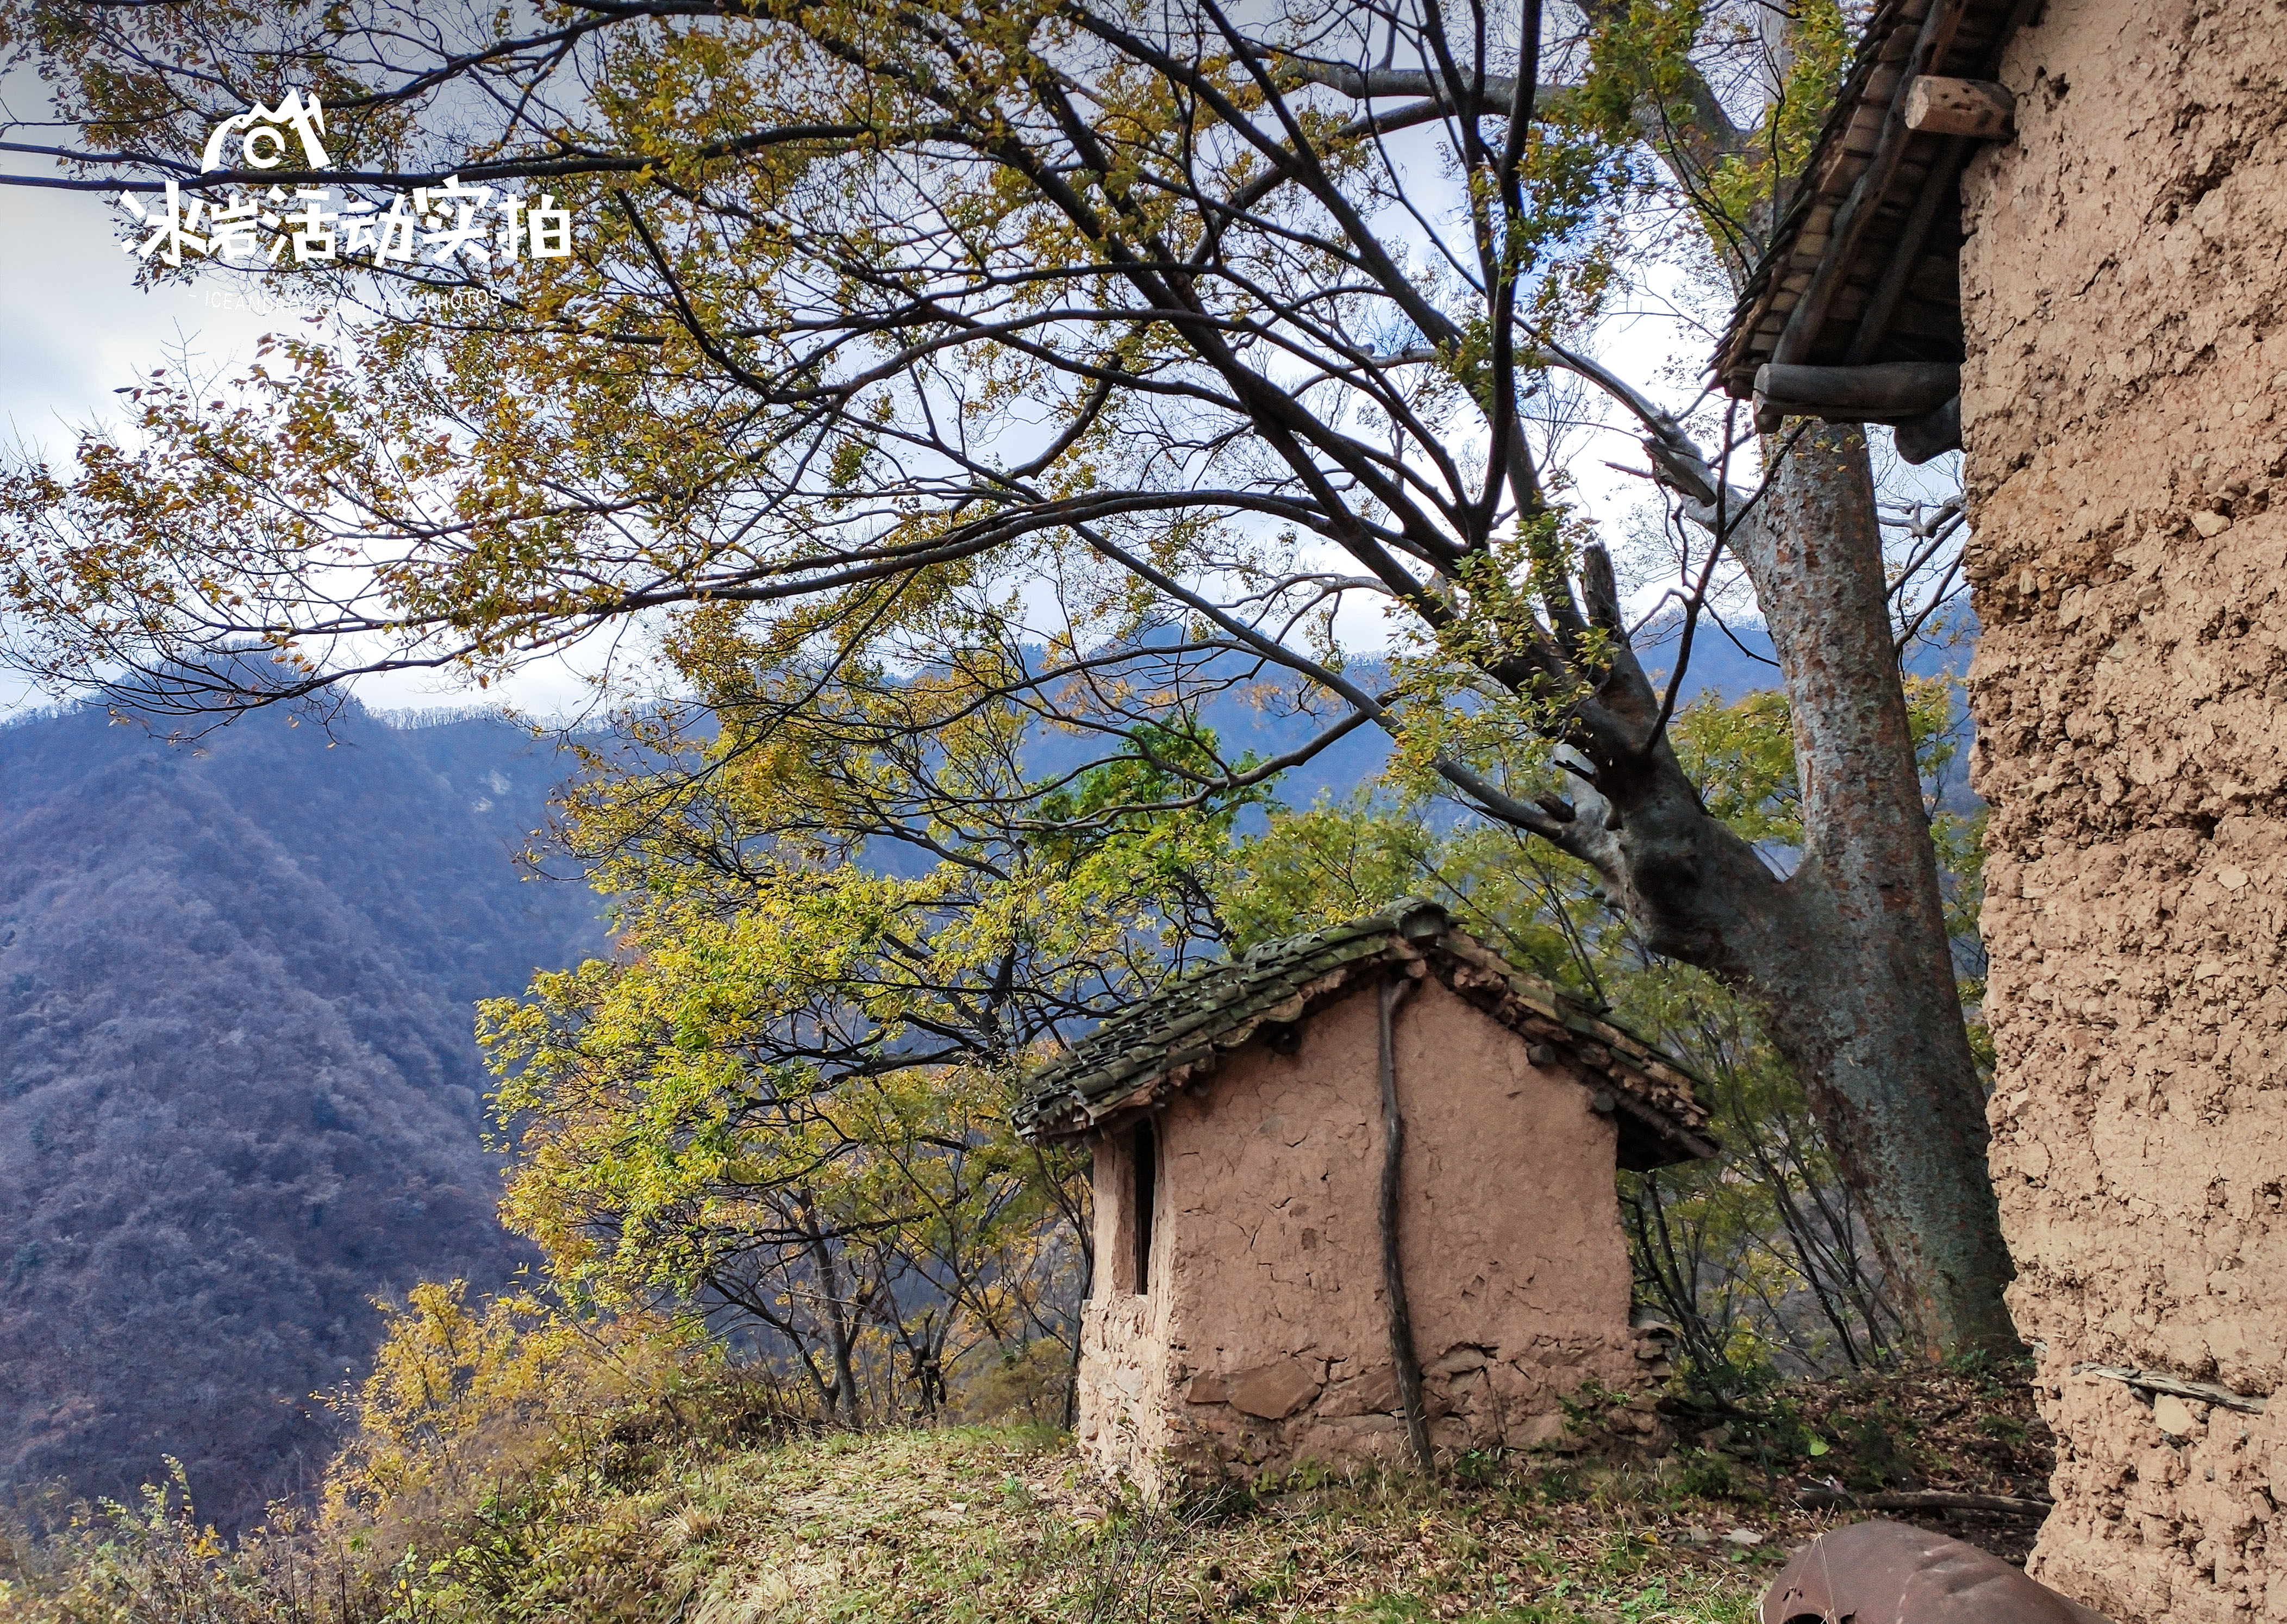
point(1146, 1155)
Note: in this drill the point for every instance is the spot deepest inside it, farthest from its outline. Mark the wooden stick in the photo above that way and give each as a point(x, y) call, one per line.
point(1978, 108)
point(1402, 1353)
point(2159, 1381)
point(1920, 1500)
point(1888, 393)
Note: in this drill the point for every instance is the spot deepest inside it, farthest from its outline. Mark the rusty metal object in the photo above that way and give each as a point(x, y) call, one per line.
point(1882, 1573)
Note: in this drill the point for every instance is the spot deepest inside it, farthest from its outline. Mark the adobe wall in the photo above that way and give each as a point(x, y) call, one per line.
point(2126, 406)
point(1264, 1342)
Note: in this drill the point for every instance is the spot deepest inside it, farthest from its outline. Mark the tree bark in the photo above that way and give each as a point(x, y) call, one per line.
point(1848, 958)
point(1898, 1087)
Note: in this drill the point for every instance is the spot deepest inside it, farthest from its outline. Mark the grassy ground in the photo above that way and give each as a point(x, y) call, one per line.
point(1006, 1526)
point(668, 1520)
point(1010, 1526)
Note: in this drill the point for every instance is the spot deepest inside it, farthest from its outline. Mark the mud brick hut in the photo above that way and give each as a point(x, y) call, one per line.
point(1253, 1211)
point(2064, 227)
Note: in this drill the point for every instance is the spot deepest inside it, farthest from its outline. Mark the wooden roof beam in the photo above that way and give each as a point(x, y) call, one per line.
point(1977, 108)
point(1970, 110)
point(1932, 434)
point(1882, 308)
point(1867, 197)
point(1894, 392)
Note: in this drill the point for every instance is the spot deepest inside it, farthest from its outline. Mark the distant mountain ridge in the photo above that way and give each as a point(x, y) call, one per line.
point(238, 1092)
point(1728, 664)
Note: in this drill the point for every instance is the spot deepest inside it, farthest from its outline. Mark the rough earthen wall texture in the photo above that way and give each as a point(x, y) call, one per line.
point(1264, 1341)
point(2126, 413)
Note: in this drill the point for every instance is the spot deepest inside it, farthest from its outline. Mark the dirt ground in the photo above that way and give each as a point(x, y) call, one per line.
point(1892, 1445)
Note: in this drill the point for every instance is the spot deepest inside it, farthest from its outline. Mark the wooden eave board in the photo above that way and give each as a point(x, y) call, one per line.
point(1927, 326)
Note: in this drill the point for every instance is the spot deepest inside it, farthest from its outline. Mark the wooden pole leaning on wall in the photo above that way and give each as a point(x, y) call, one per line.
point(1402, 1352)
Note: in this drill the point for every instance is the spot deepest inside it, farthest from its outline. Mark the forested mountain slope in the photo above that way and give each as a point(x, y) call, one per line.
point(238, 1092)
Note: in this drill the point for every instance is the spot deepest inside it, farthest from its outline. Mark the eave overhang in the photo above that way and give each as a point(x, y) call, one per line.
point(1863, 267)
point(1139, 1059)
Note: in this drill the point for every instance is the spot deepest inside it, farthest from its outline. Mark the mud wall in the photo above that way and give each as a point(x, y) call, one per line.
point(2125, 409)
point(1264, 1340)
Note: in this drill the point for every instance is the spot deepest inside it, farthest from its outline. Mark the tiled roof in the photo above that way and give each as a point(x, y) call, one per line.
point(1182, 1034)
point(1881, 199)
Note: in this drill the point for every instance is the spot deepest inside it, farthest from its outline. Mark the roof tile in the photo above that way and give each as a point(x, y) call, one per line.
point(1164, 1042)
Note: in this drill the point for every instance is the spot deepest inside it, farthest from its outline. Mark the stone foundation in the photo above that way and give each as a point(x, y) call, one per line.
point(1304, 1410)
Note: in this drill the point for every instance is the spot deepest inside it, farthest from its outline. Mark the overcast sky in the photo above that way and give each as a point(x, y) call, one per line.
point(76, 328)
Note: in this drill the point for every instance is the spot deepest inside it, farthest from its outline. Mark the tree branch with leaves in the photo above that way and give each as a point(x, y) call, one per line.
point(1140, 344)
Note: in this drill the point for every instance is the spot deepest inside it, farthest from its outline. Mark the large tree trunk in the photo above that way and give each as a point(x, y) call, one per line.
point(1872, 1016)
point(1848, 958)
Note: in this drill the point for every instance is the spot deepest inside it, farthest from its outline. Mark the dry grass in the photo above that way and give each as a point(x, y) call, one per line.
point(1003, 1527)
point(717, 1526)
